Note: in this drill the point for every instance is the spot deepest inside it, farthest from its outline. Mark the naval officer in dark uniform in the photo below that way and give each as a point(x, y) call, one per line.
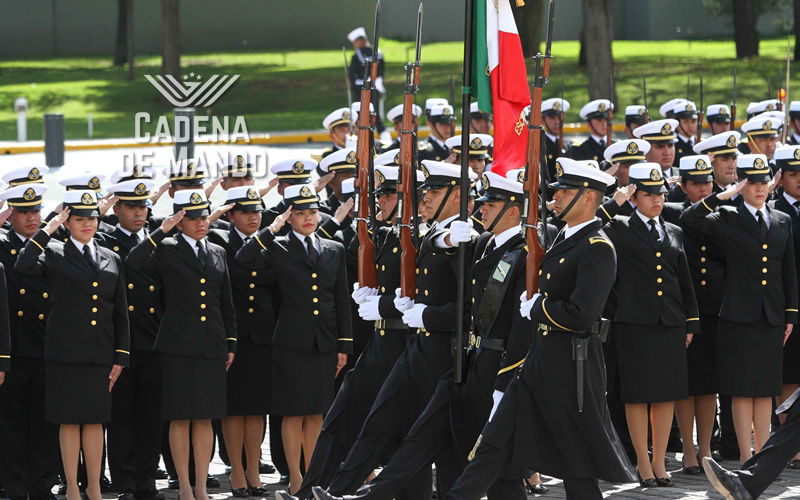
point(87, 341)
point(539, 424)
point(553, 111)
point(441, 118)
point(719, 119)
point(29, 441)
point(661, 136)
point(686, 131)
point(596, 115)
point(197, 336)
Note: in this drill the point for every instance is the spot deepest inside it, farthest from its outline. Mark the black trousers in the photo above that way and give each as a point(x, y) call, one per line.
point(487, 465)
point(761, 469)
point(30, 450)
point(134, 433)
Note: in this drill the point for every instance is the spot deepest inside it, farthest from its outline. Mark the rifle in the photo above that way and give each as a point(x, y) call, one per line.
point(534, 163)
point(561, 120)
point(364, 179)
point(610, 119)
point(700, 112)
point(733, 104)
point(780, 90)
point(644, 91)
point(407, 185)
point(453, 102)
point(788, 106)
point(347, 86)
point(769, 87)
point(688, 79)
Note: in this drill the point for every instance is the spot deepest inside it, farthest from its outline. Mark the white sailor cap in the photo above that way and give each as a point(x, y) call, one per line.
point(627, 151)
point(439, 174)
point(596, 109)
point(341, 160)
point(720, 144)
point(25, 198)
point(647, 177)
point(194, 201)
point(516, 174)
point(762, 126)
point(475, 112)
point(189, 171)
point(25, 175)
point(753, 167)
point(499, 188)
point(236, 164)
point(435, 101)
point(135, 192)
point(294, 170)
point(696, 168)
point(357, 33)
point(478, 145)
point(658, 131)
point(397, 112)
point(386, 177)
point(553, 106)
point(442, 112)
point(718, 113)
point(794, 108)
point(82, 181)
point(787, 158)
point(668, 107)
point(755, 108)
point(348, 188)
point(390, 158)
point(342, 116)
point(572, 174)
point(301, 196)
point(82, 202)
point(780, 115)
point(636, 114)
point(355, 109)
point(137, 172)
point(686, 109)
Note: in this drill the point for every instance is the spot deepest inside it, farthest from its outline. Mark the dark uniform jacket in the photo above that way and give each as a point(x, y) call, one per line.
point(682, 148)
point(256, 295)
point(588, 150)
point(143, 292)
point(28, 301)
point(269, 216)
point(199, 318)
point(707, 267)
point(552, 152)
point(433, 151)
point(88, 321)
point(760, 275)
point(315, 312)
point(5, 328)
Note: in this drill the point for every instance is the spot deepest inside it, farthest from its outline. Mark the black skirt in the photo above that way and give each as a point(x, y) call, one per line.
point(702, 359)
point(750, 359)
point(77, 394)
point(302, 381)
point(791, 355)
point(250, 379)
point(652, 363)
point(192, 388)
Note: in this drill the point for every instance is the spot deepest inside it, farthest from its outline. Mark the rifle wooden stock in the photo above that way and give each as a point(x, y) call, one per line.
point(366, 247)
point(531, 187)
point(406, 188)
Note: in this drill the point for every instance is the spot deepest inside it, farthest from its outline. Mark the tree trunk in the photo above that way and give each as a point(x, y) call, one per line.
point(745, 33)
point(121, 47)
point(582, 52)
point(170, 38)
point(796, 9)
point(598, 32)
point(530, 24)
point(130, 40)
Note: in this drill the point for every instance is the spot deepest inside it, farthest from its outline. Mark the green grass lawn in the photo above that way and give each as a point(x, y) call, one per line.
point(294, 90)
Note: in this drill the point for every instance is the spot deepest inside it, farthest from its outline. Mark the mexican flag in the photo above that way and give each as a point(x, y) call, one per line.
point(500, 80)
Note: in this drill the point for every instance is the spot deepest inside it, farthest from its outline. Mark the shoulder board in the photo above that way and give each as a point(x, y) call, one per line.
point(317, 158)
point(599, 239)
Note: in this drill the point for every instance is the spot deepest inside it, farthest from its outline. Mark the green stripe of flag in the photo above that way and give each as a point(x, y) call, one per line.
point(481, 82)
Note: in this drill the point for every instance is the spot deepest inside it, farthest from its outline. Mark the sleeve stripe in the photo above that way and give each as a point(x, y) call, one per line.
point(259, 242)
point(551, 319)
point(321, 228)
point(345, 340)
point(4, 356)
point(232, 338)
point(606, 212)
point(791, 310)
point(37, 244)
point(151, 241)
point(692, 319)
point(704, 204)
point(509, 368)
point(123, 352)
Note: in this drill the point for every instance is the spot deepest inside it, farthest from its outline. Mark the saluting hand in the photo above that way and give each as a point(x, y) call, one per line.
point(787, 332)
point(106, 202)
point(171, 221)
point(270, 186)
point(211, 187)
point(229, 361)
point(344, 210)
point(323, 181)
point(340, 362)
point(732, 190)
point(623, 193)
point(56, 222)
point(5, 214)
point(775, 181)
point(116, 370)
point(217, 213)
point(155, 195)
point(279, 221)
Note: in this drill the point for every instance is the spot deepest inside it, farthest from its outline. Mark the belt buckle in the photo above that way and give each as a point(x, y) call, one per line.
point(473, 339)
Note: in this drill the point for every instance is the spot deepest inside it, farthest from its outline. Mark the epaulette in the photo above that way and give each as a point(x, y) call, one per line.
point(599, 239)
point(422, 146)
point(316, 158)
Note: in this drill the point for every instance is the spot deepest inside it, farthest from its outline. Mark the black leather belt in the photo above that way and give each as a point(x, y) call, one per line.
point(390, 324)
point(486, 343)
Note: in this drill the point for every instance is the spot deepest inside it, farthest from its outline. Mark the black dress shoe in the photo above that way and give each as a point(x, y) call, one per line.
point(284, 479)
point(106, 486)
point(284, 495)
point(174, 484)
point(265, 468)
point(793, 464)
point(127, 495)
point(646, 483)
point(257, 491)
point(240, 492)
point(664, 482)
point(62, 489)
point(536, 489)
point(149, 494)
point(212, 482)
point(161, 474)
point(695, 470)
point(725, 482)
point(321, 494)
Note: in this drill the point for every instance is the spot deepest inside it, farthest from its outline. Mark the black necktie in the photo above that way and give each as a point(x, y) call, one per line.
point(87, 256)
point(654, 231)
point(602, 143)
point(489, 248)
point(247, 240)
point(796, 205)
point(313, 255)
point(201, 254)
point(762, 225)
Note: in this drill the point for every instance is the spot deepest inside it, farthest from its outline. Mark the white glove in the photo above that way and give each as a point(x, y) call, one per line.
point(460, 232)
point(496, 397)
point(402, 304)
point(526, 305)
point(369, 310)
point(413, 317)
point(361, 293)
